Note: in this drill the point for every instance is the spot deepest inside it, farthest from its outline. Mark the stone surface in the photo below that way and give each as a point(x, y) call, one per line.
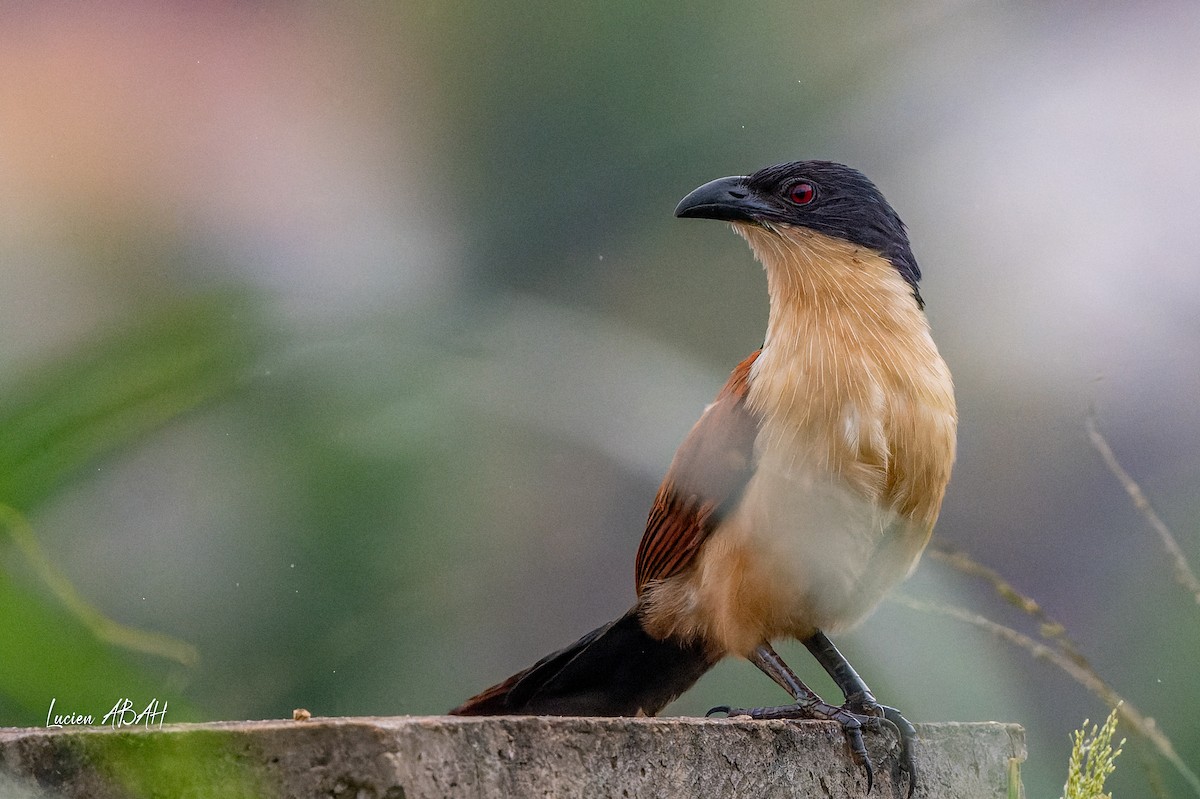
point(437, 756)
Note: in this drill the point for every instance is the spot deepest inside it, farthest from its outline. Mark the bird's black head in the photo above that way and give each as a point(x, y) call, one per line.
point(829, 198)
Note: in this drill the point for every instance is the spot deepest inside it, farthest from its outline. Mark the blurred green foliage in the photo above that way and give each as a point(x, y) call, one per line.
point(113, 393)
point(52, 656)
point(69, 415)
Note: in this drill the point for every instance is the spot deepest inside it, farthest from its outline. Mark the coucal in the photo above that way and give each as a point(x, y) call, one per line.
point(806, 490)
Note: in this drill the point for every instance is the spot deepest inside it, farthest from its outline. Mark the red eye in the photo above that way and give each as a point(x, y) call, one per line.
point(802, 193)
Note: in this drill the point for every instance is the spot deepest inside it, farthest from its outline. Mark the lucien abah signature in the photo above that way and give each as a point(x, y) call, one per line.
point(123, 714)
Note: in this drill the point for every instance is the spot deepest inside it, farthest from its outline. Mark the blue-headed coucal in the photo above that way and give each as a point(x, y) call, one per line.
point(806, 490)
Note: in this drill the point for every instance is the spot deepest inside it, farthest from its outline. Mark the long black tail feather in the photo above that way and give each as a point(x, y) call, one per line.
point(615, 670)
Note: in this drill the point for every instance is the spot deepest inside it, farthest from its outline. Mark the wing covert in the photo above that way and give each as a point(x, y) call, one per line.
point(705, 480)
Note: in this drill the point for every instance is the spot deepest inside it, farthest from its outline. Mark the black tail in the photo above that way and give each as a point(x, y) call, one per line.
point(615, 670)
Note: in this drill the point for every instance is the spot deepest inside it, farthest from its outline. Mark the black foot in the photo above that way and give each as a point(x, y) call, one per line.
point(853, 723)
point(906, 734)
point(859, 700)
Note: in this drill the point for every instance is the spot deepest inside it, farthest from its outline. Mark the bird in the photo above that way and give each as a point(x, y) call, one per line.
point(804, 492)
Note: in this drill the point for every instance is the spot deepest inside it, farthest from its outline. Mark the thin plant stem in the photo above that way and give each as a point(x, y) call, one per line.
point(101, 626)
point(1050, 628)
point(1183, 570)
point(1085, 676)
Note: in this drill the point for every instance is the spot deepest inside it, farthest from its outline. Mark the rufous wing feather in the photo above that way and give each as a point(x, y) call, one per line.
point(705, 481)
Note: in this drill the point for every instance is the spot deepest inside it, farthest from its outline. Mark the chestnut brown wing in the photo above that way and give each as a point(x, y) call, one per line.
point(705, 481)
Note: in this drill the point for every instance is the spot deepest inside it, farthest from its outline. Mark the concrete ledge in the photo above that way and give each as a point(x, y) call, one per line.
point(437, 756)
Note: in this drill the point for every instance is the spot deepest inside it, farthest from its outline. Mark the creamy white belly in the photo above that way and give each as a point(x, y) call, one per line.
point(800, 553)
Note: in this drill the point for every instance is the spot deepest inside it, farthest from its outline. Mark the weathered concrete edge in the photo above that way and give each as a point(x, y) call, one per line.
point(436, 756)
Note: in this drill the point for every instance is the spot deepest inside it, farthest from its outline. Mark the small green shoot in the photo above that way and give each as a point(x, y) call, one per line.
point(1091, 761)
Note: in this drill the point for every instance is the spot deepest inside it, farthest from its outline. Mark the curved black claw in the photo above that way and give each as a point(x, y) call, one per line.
point(858, 750)
point(852, 723)
point(907, 734)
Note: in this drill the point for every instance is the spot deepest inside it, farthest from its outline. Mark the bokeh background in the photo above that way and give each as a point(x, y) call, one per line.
point(342, 347)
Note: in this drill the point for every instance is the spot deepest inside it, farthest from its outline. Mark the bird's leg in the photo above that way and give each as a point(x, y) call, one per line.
point(807, 706)
point(860, 700)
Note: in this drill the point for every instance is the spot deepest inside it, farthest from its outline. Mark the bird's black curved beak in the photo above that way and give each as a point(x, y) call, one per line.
point(726, 199)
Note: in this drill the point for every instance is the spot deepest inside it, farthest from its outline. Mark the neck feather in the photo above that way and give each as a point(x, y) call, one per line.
point(849, 378)
point(823, 286)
